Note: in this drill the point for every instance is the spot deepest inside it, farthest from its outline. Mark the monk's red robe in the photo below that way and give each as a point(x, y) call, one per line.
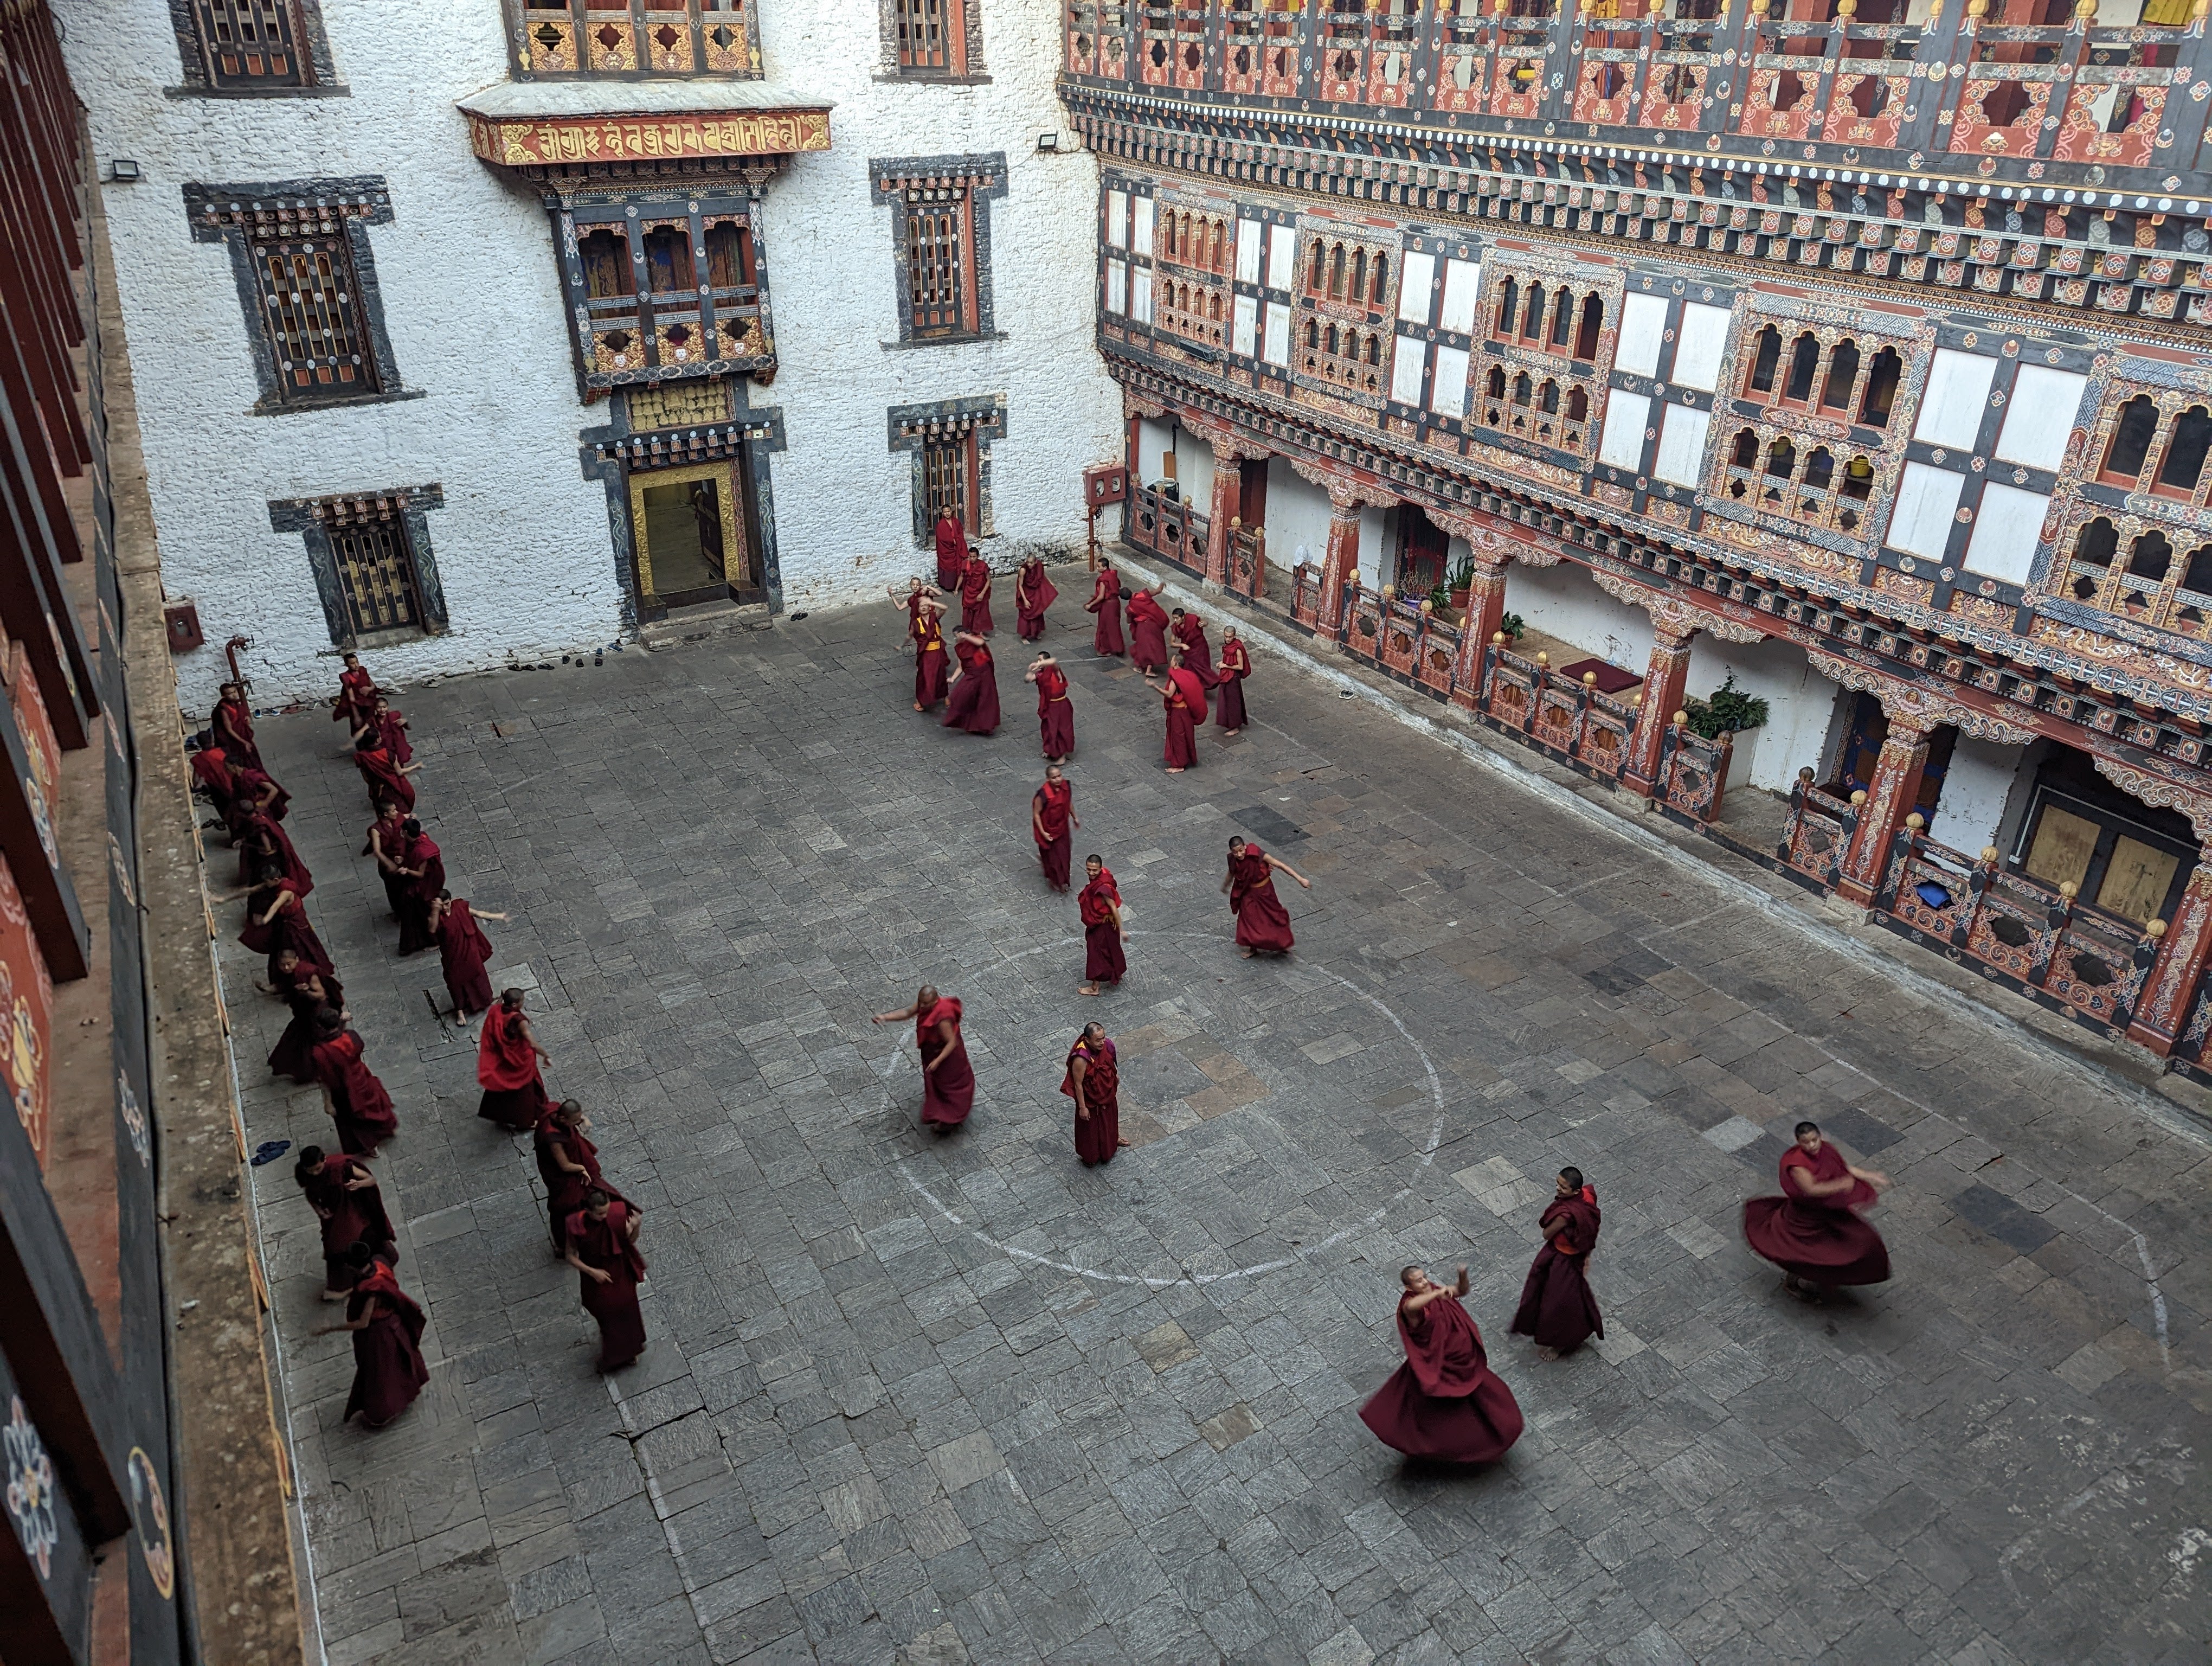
point(507, 1069)
point(951, 554)
point(348, 1217)
point(1148, 632)
point(605, 1244)
point(1262, 921)
point(422, 890)
point(929, 663)
point(974, 706)
point(390, 838)
point(948, 1092)
point(1229, 683)
point(211, 769)
point(257, 829)
point(975, 597)
point(1444, 1402)
point(287, 929)
point(1053, 802)
point(306, 993)
point(252, 790)
point(1190, 636)
point(233, 732)
point(1055, 713)
point(1186, 709)
point(464, 951)
point(358, 1104)
point(1097, 1135)
point(392, 730)
point(380, 774)
point(1106, 603)
point(564, 1192)
point(1557, 1307)
point(1821, 1239)
point(356, 700)
point(388, 1371)
point(1104, 961)
point(1033, 593)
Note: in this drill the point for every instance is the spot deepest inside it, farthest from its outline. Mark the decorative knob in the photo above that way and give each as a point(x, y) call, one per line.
point(2069, 889)
point(1498, 639)
point(1916, 821)
point(1859, 797)
point(2086, 11)
point(2154, 929)
point(1990, 855)
point(1427, 607)
point(1390, 594)
point(1681, 718)
point(1589, 679)
point(1544, 660)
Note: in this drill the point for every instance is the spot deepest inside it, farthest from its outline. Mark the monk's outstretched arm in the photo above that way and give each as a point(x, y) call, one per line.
point(903, 1013)
point(1874, 1178)
point(361, 1323)
point(1276, 862)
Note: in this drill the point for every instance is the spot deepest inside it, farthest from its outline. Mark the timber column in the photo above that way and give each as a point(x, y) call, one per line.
point(1228, 496)
point(1341, 561)
point(1666, 680)
point(1485, 608)
point(1890, 798)
point(2163, 1010)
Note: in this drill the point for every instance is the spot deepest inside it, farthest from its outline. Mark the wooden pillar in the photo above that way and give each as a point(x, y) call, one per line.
point(2162, 1010)
point(1486, 607)
point(1341, 561)
point(1228, 496)
point(1666, 680)
point(1890, 797)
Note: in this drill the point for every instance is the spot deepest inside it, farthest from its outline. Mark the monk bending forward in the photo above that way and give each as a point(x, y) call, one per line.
point(1262, 921)
point(1814, 1232)
point(948, 1080)
point(1444, 1402)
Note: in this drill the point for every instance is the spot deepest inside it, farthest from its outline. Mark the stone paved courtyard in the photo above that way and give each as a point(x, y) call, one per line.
point(963, 1400)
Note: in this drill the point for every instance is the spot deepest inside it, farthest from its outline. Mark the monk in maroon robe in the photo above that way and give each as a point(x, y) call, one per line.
point(211, 770)
point(1263, 924)
point(388, 1371)
point(344, 1195)
point(975, 597)
point(952, 552)
point(1444, 1402)
point(232, 725)
point(306, 992)
point(253, 792)
point(568, 1164)
point(929, 663)
point(974, 706)
point(1100, 903)
point(1183, 697)
point(423, 867)
point(1106, 603)
point(276, 918)
point(391, 727)
point(1094, 1082)
point(603, 1248)
point(262, 838)
point(508, 1058)
point(464, 953)
point(1148, 632)
point(1557, 1307)
point(1229, 683)
point(1033, 593)
point(1814, 1232)
point(1055, 713)
point(385, 776)
point(1188, 631)
point(358, 1103)
point(948, 1080)
point(388, 841)
point(1052, 813)
point(356, 694)
point(917, 595)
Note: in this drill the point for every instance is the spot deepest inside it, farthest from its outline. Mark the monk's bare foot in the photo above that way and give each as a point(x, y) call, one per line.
point(1249, 953)
point(1088, 989)
point(1177, 770)
point(1120, 1145)
point(919, 707)
point(1547, 1353)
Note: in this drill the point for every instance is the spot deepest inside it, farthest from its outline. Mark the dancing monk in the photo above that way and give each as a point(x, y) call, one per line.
point(603, 1248)
point(948, 1080)
point(359, 1105)
point(1183, 697)
point(1148, 632)
point(1055, 716)
point(1557, 1307)
point(388, 1371)
point(975, 597)
point(1052, 813)
point(1813, 1232)
point(508, 1058)
point(929, 666)
point(1094, 1082)
point(974, 706)
point(1229, 683)
point(1103, 962)
point(1033, 593)
point(1444, 1402)
point(1106, 602)
point(1263, 924)
point(1189, 634)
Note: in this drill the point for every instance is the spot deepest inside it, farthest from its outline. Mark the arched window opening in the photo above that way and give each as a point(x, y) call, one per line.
point(1843, 373)
point(1577, 405)
point(1382, 283)
point(2184, 452)
point(668, 259)
point(1532, 321)
point(2132, 436)
point(2197, 576)
point(607, 265)
point(1508, 299)
point(1781, 460)
point(2094, 548)
point(1496, 382)
point(1522, 388)
point(2151, 558)
point(1316, 268)
point(1804, 362)
point(1358, 275)
point(1746, 453)
point(1563, 319)
point(1881, 389)
point(1592, 325)
point(1336, 272)
point(1547, 398)
point(1819, 470)
point(1766, 362)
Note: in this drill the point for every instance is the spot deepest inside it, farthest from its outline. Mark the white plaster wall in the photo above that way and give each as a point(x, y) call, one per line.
point(1297, 517)
point(1799, 702)
point(1371, 546)
point(1564, 601)
point(1195, 470)
point(1975, 789)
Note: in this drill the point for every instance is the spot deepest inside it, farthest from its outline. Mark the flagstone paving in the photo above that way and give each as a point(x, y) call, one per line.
point(917, 1399)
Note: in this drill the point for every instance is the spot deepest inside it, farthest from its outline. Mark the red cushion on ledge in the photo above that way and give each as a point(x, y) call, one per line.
point(1610, 679)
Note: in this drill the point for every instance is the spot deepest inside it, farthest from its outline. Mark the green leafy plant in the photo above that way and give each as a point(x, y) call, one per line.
point(1463, 573)
point(1729, 711)
point(1514, 626)
point(1440, 595)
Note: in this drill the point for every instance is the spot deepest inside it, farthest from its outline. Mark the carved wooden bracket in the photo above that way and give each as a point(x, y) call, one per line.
point(1675, 618)
point(2160, 791)
point(1135, 405)
point(1920, 709)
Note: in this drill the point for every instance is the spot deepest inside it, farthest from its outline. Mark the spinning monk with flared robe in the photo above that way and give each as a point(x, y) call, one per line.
point(1106, 602)
point(359, 1105)
point(1183, 697)
point(306, 992)
point(1052, 813)
point(1444, 1402)
point(1100, 903)
point(1813, 1232)
point(1094, 1082)
point(277, 920)
point(383, 775)
point(1148, 632)
point(948, 1080)
point(345, 1196)
point(973, 706)
point(1033, 593)
point(507, 1057)
point(1263, 925)
point(568, 1164)
point(1557, 1307)
point(423, 866)
point(1229, 683)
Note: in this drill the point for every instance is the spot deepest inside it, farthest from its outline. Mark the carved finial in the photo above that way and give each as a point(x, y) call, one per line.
point(1390, 594)
point(2154, 929)
point(2069, 889)
point(1978, 10)
point(1844, 9)
point(1589, 679)
point(1498, 639)
point(1859, 797)
point(1427, 607)
point(1917, 821)
point(1990, 855)
point(2086, 11)
point(1544, 660)
point(1681, 718)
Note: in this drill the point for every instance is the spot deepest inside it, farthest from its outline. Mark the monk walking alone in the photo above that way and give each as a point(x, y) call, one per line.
point(1813, 1232)
point(1557, 1307)
point(1052, 814)
point(1263, 924)
point(1106, 603)
point(1444, 1402)
point(948, 1080)
point(1055, 715)
point(603, 1248)
point(1103, 962)
point(1094, 1082)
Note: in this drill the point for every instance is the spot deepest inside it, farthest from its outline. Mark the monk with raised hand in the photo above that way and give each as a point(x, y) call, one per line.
point(423, 866)
point(1052, 814)
point(392, 727)
point(345, 1196)
point(948, 1080)
point(1094, 1082)
point(1183, 696)
point(1557, 1307)
point(508, 1060)
point(951, 552)
point(1148, 632)
point(277, 920)
point(1263, 924)
point(1055, 714)
point(1814, 1232)
point(232, 726)
point(1106, 603)
point(306, 992)
point(910, 603)
point(1188, 631)
point(975, 596)
point(1229, 683)
point(383, 775)
point(464, 953)
point(973, 706)
point(603, 1248)
point(1444, 1402)
point(387, 842)
point(929, 658)
point(388, 1371)
point(1033, 593)
point(359, 1106)
point(1100, 901)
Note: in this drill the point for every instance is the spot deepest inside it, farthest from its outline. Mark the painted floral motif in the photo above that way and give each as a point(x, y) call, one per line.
point(151, 1512)
point(134, 1118)
point(30, 1487)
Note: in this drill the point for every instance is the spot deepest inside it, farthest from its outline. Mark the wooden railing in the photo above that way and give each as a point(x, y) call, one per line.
point(1167, 527)
point(1818, 831)
point(1247, 561)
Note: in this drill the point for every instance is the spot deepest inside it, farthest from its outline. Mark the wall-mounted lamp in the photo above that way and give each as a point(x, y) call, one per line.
point(1049, 142)
point(123, 171)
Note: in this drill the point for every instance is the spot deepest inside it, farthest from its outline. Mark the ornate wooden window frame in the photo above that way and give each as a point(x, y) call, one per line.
point(981, 176)
point(195, 54)
point(1539, 361)
point(981, 417)
point(313, 518)
point(573, 40)
point(968, 70)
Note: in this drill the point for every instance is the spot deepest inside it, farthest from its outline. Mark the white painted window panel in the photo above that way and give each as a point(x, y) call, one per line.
point(1140, 239)
point(1462, 279)
point(1282, 256)
point(1247, 325)
point(1248, 250)
point(1958, 389)
point(1627, 416)
point(1278, 350)
point(1699, 341)
point(1117, 286)
point(2006, 528)
point(1643, 330)
point(1415, 278)
point(2039, 418)
point(1408, 360)
point(1140, 294)
point(1681, 444)
point(1117, 219)
point(1448, 388)
point(1927, 498)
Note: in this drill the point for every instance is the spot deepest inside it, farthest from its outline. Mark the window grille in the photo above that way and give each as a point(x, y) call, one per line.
point(376, 571)
point(311, 311)
point(932, 36)
point(939, 255)
point(948, 478)
point(251, 43)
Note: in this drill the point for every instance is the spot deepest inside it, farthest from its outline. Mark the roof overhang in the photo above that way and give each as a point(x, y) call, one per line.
point(575, 124)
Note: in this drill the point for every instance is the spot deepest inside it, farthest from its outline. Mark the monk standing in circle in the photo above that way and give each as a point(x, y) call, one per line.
point(1229, 683)
point(1263, 924)
point(975, 597)
point(1052, 814)
point(1148, 632)
point(603, 1248)
point(568, 1164)
point(1444, 1402)
point(344, 1195)
point(508, 1058)
point(1188, 631)
point(1094, 1082)
point(464, 953)
point(232, 726)
point(1183, 696)
point(951, 552)
point(1814, 1232)
point(388, 1371)
point(1100, 900)
point(929, 661)
point(357, 693)
point(1055, 715)
point(1033, 593)
point(1557, 1307)
point(948, 1080)
point(1106, 603)
point(974, 706)
point(358, 1104)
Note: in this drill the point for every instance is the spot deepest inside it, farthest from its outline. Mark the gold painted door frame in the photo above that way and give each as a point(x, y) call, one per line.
point(727, 498)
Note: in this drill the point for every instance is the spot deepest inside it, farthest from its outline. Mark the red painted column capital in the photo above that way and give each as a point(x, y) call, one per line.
point(2163, 1009)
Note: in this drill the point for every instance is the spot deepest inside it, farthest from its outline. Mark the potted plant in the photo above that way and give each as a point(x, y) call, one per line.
point(1514, 627)
point(1460, 581)
point(1729, 711)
